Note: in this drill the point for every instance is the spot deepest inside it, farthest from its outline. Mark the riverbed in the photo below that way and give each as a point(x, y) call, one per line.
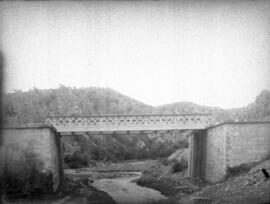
point(123, 190)
point(106, 184)
point(117, 180)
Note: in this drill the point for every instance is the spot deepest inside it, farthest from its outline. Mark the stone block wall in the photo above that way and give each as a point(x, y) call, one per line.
point(247, 142)
point(234, 143)
point(215, 155)
point(39, 142)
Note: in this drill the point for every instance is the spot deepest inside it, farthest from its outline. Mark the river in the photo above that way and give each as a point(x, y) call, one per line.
point(123, 190)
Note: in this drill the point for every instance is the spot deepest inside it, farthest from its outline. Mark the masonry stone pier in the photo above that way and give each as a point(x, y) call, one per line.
point(218, 148)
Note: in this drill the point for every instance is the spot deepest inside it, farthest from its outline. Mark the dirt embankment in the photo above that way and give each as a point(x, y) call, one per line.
point(249, 187)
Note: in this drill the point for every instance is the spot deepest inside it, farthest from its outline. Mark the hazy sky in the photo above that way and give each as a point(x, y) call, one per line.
point(209, 52)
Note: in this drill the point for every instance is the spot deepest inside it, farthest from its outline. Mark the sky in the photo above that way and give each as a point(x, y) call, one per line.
point(214, 53)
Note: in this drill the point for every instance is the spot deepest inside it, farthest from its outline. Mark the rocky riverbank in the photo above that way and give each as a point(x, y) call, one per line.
point(250, 186)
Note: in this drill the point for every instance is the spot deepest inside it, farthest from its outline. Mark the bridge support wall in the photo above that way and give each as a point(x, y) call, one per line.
point(197, 150)
point(26, 145)
point(228, 145)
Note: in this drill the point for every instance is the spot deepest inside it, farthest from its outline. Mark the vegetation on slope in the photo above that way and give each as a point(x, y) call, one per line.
point(80, 150)
point(35, 105)
point(168, 177)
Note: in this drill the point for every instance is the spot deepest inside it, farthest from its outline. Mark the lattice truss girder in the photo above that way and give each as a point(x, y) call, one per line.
point(136, 122)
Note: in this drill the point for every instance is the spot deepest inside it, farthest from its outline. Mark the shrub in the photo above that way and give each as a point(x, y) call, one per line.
point(76, 160)
point(235, 171)
point(179, 166)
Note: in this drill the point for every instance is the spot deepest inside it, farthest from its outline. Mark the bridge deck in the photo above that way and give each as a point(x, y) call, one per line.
point(116, 123)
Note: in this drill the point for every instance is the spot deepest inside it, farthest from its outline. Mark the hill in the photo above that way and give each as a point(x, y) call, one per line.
point(35, 105)
point(259, 110)
point(189, 107)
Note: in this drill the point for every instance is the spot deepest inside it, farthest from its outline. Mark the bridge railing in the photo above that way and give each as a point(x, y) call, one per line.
point(130, 122)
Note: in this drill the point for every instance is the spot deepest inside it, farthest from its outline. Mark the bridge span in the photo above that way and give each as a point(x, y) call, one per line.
point(129, 123)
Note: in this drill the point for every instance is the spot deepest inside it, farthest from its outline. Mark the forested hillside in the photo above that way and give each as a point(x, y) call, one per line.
point(35, 105)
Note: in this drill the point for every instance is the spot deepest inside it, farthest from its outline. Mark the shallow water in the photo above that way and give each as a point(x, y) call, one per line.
point(124, 191)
